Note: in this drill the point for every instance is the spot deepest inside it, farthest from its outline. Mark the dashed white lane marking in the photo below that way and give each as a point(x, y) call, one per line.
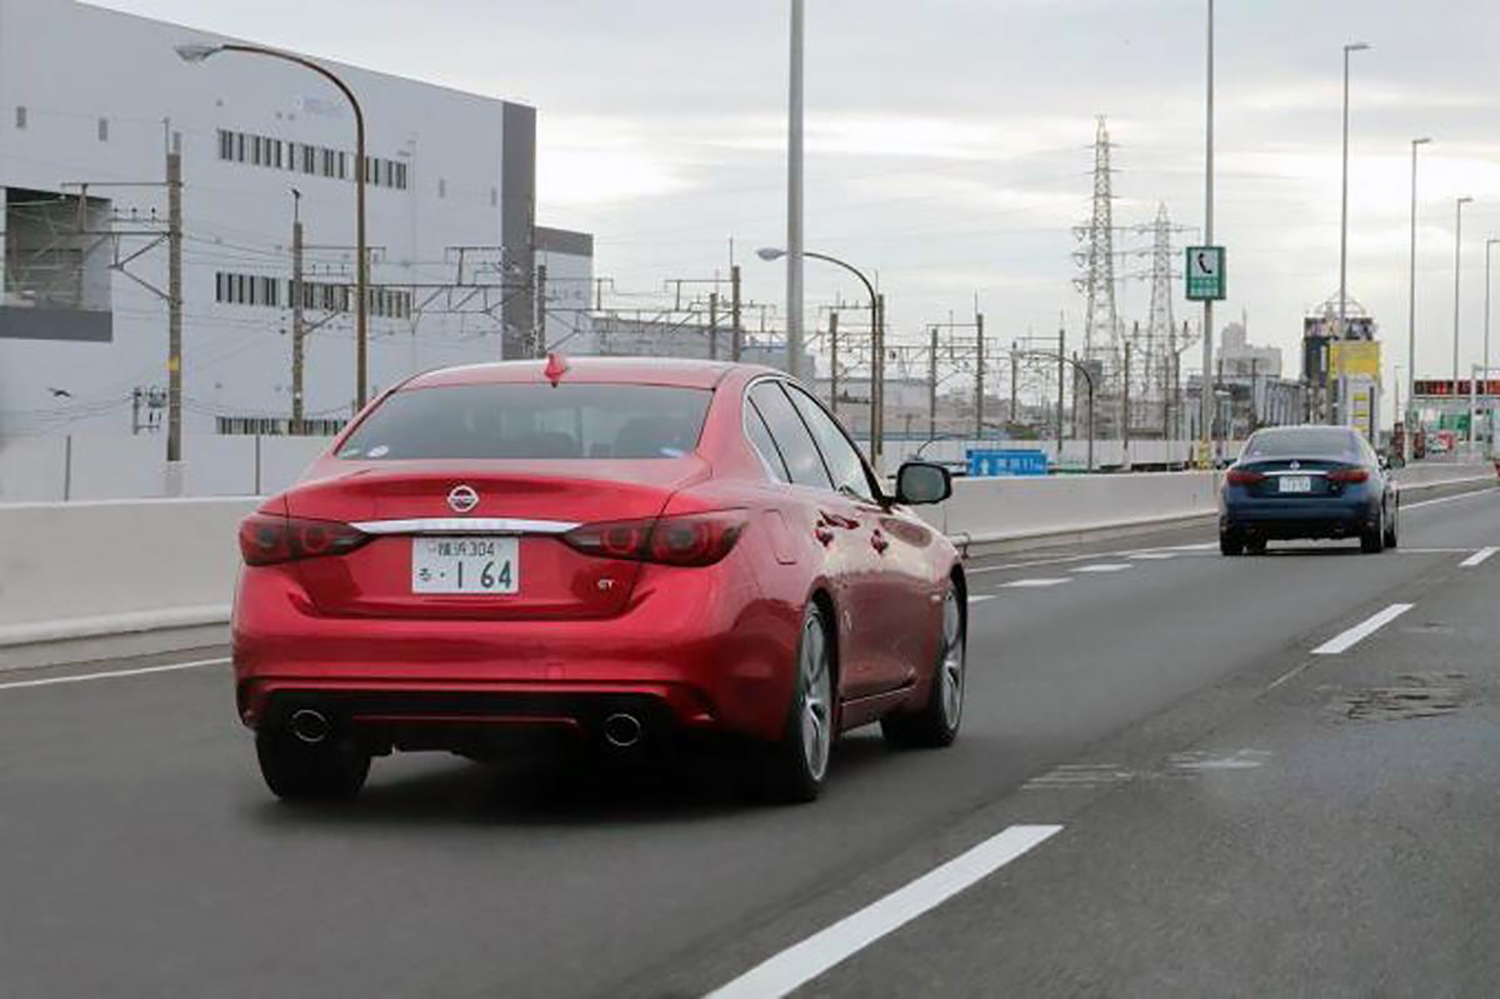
point(979, 598)
point(112, 674)
point(1478, 558)
point(1027, 584)
point(1153, 556)
point(1105, 567)
point(1346, 640)
point(803, 962)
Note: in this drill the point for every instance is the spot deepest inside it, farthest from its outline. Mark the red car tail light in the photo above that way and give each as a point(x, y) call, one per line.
point(690, 540)
point(1244, 477)
point(1344, 476)
point(266, 539)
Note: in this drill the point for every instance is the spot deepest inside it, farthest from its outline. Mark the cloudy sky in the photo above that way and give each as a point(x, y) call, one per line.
point(948, 141)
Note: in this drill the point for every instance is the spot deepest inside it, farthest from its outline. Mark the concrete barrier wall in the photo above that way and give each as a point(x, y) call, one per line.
point(134, 562)
point(80, 569)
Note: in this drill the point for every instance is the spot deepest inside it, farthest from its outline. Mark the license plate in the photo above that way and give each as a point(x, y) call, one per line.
point(1296, 484)
point(478, 565)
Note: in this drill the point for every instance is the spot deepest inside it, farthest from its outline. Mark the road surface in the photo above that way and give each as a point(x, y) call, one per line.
point(1179, 775)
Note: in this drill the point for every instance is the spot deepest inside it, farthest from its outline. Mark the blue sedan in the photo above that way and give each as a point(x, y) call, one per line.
point(1308, 482)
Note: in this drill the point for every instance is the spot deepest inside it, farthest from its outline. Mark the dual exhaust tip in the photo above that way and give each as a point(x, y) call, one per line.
point(312, 727)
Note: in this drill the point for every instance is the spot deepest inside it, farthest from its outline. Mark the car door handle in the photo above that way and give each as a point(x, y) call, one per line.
point(823, 534)
point(878, 542)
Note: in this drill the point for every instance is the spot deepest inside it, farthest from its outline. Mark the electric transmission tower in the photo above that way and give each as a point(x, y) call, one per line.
point(1097, 255)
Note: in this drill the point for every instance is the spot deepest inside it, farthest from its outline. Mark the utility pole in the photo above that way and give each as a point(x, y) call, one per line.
point(298, 329)
point(1062, 364)
point(1015, 377)
point(978, 374)
point(932, 379)
point(833, 360)
point(877, 388)
point(713, 326)
point(174, 300)
point(541, 310)
point(1125, 400)
point(734, 311)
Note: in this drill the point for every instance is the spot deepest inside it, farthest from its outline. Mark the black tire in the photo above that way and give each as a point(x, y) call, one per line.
point(936, 724)
point(1372, 539)
point(1231, 543)
point(797, 765)
point(1256, 546)
point(1391, 530)
point(297, 771)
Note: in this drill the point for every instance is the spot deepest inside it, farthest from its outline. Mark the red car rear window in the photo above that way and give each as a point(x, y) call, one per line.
point(532, 421)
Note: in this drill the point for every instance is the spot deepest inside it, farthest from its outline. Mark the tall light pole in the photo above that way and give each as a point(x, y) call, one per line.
point(794, 250)
point(1206, 394)
point(1488, 245)
point(1458, 260)
point(1344, 210)
point(877, 348)
point(1409, 437)
point(200, 53)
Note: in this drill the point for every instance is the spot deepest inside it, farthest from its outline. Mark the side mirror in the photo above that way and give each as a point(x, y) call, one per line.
point(1385, 462)
point(922, 482)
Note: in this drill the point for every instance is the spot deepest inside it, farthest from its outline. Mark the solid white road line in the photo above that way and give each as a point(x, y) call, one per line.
point(1344, 641)
point(1154, 556)
point(1108, 567)
point(112, 674)
point(1478, 557)
point(1033, 583)
point(800, 964)
point(979, 598)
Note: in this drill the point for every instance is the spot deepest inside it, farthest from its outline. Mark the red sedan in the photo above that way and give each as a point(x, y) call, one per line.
point(618, 551)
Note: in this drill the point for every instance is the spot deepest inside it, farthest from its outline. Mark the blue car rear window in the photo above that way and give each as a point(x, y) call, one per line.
point(1303, 442)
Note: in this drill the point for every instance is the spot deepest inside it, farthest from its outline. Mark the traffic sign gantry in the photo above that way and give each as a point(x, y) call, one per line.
point(1205, 274)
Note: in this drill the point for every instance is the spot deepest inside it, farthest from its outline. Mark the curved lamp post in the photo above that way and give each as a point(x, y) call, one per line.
point(200, 53)
point(877, 328)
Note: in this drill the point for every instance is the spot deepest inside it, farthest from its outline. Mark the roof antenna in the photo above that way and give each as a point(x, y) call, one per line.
point(557, 366)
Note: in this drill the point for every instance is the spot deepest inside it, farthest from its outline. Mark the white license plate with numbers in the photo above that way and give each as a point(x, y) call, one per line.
point(478, 565)
point(1296, 484)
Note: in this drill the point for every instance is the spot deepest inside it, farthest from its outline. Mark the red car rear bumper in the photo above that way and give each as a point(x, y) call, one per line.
point(696, 648)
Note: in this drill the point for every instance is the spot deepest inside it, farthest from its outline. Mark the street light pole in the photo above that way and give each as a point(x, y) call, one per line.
point(1489, 244)
point(1458, 257)
point(794, 246)
point(1205, 409)
point(877, 339)
point(1344, 209)
point(1409, 437)
point(199, 53)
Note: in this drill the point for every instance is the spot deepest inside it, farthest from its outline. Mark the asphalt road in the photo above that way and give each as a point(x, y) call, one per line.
point(1237, 814)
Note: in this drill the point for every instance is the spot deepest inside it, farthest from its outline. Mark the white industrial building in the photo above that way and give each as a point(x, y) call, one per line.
point(92, 102)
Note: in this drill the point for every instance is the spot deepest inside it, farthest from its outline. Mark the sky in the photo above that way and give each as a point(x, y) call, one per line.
point(949, 141)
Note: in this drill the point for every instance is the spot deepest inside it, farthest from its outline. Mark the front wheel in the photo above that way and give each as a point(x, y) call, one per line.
point(798, 763)
point(936, 724)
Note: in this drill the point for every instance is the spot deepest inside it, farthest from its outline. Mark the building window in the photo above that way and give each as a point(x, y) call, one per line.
point(20, 116)
point(239, 147)
point(103, 129)
point(309, 159)
point(343, 165)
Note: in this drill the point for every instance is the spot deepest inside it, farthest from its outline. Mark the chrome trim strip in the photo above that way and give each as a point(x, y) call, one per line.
point(465, 525)
point(1309, 472)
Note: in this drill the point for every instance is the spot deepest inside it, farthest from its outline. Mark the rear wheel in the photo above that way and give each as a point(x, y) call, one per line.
point(295, 770)
point(1372, 539)
point(1231, 543)
point(936, 724)
point(1255, 546)
point(798, 763)
point(1391, 528)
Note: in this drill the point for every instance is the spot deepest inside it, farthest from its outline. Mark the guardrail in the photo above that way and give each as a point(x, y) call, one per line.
point(118, 577)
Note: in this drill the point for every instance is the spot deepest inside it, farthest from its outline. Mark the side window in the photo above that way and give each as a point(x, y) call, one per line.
point(843, 461)
point(760, 439)
point(790, 434)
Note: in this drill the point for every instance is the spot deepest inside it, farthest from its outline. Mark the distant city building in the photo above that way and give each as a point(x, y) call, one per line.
point(1241, 358)
point(94, 101)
